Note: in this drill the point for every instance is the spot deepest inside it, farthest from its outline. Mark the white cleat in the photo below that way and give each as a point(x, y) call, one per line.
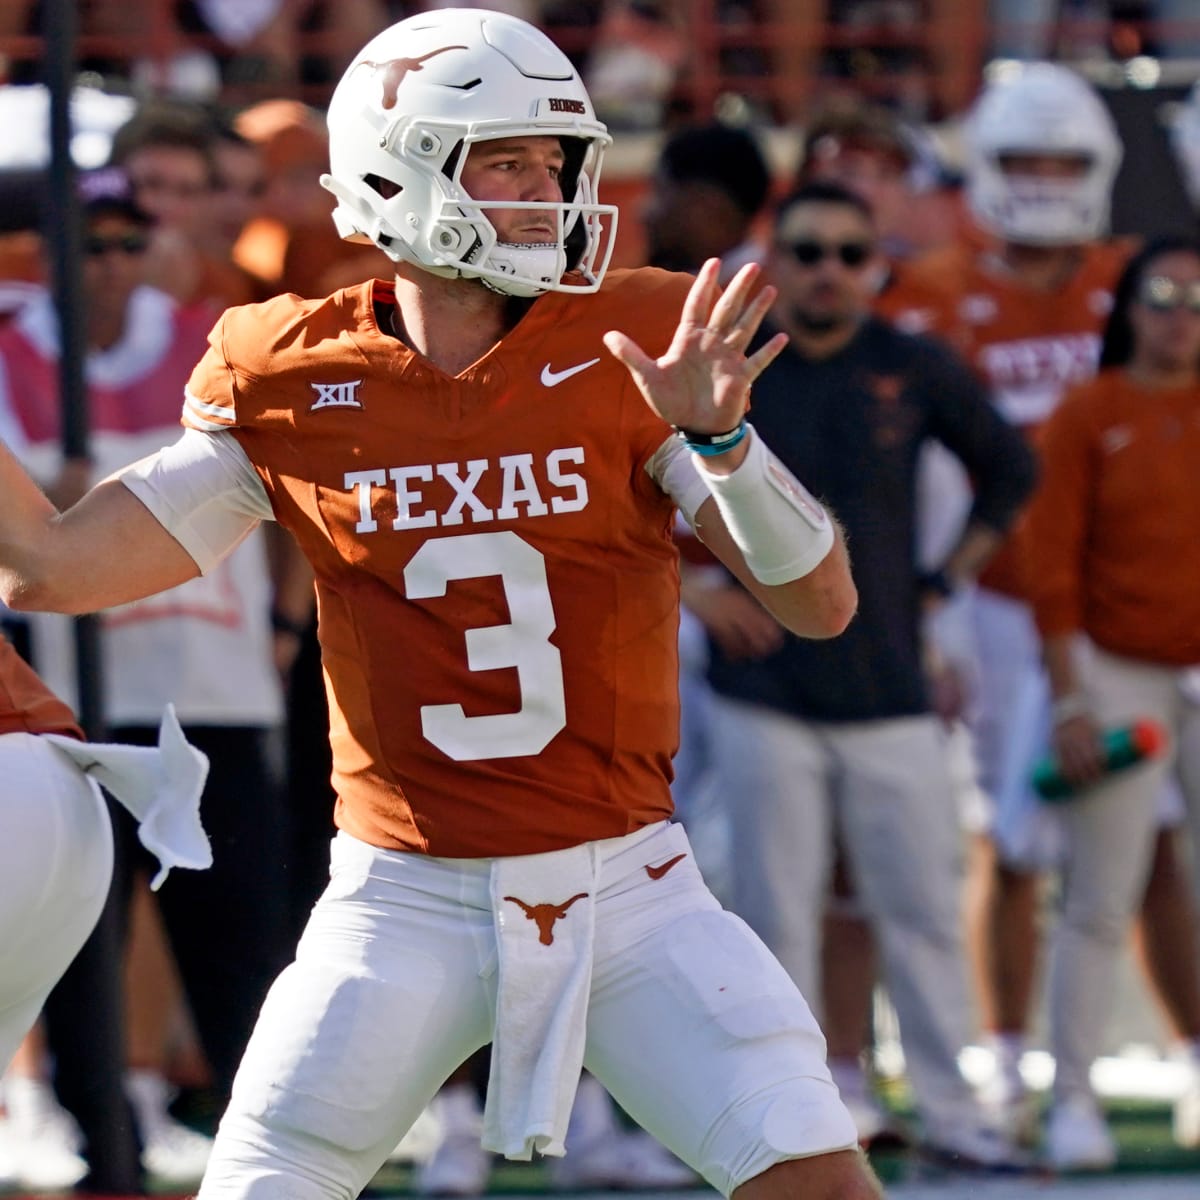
point(1077, 1137)
point(171, 1151)
point(43, 1139)
point(974, 1145)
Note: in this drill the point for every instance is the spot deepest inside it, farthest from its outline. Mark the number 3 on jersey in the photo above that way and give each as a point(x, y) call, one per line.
point(523, 644)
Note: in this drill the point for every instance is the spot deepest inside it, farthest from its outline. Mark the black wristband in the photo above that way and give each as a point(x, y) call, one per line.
point(709, 444)
point(282, 623)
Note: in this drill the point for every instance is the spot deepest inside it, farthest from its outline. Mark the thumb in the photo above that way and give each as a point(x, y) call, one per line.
point(629, 354)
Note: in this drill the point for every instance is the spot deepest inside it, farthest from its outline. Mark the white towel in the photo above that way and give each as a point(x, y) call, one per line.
point(160, 785)
point(544, 910)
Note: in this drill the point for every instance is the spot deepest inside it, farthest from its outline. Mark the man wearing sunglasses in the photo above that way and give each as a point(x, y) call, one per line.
point(840, 734)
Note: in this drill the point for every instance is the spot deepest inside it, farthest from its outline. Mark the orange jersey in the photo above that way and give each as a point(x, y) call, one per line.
point(1028, 344)
point(496, 576)
point(27, 705)
point(1113, 531)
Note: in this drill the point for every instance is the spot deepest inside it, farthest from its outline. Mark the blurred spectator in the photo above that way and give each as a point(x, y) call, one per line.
point(838, 735)
point(636, 53)
point(293, 243)
point(1026, 303)
point(206, 646)
point(241, 184)
point(709, 185)
point(870, 150)
point(168, 150)
point(1112, 547)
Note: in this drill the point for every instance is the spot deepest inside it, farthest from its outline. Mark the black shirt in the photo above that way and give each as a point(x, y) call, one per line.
point(850, 428)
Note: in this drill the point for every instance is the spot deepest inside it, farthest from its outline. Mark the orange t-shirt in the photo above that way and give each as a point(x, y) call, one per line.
point(1113, 534)
point(496, 577)
point(27, 705)
point(1028, 344)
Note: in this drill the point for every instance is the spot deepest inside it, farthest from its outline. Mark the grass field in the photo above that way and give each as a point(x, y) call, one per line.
point(1150, 1167)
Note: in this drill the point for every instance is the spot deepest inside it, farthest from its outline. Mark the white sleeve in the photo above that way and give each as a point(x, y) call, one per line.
point(203, 491)
point(673, 469)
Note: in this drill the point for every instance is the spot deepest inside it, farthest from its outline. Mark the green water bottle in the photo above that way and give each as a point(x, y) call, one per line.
point(1123, 747)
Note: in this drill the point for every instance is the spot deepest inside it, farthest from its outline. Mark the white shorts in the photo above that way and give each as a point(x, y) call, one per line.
point(692, 1025)
point(55, 866)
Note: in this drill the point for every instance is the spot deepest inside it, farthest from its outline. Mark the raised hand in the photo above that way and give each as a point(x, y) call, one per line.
point(702, 383)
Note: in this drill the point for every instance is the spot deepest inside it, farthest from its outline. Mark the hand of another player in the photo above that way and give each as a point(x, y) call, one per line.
point(702, 382)
point(1077, 746)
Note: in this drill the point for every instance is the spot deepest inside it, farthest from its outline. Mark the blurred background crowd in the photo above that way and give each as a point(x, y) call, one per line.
point(1016, 180)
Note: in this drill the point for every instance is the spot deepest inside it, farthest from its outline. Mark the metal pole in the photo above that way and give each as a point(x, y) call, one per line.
point(64, 242)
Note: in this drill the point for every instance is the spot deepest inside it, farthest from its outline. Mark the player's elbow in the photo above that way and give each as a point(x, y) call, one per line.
point(819, 606)
point(33, 591)
point(831, 594)
point(834, 607)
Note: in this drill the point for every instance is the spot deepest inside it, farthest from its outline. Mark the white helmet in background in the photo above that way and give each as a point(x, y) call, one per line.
point(1047, 110)
point(1185, 140)
point(403, 118)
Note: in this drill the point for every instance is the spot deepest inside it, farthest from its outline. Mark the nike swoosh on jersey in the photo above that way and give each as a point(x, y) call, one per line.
point(659, 871)
point(554, 378)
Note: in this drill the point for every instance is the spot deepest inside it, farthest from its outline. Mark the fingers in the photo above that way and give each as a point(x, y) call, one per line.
point(764, 356)
point(699, 303)
point(730, 305)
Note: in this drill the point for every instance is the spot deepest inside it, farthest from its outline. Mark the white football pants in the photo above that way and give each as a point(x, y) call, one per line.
point(692, 1026)
point(55, 866)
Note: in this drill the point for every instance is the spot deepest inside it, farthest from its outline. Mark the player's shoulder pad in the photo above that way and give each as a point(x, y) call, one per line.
point(262, 338)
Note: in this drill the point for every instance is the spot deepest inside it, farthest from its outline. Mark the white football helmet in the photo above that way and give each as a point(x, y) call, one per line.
point(1185, 140)
point(403, 118)
point(1043, 109)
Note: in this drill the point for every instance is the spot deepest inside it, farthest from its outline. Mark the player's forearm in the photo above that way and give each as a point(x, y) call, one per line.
point(820, 604)
point(27, 519)
point(107, 549)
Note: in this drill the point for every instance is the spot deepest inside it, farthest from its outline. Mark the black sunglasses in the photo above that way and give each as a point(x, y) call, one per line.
point(127, 243)
point(1165, 295)
point(808, 252)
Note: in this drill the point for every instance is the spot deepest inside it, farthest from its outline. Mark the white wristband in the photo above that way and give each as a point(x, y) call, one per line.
point(782, 532)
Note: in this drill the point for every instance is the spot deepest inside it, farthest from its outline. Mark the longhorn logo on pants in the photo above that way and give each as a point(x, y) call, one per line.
point(546, 914)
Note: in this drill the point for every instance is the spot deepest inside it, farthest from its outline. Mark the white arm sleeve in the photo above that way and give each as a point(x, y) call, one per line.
point(673, 469)
point(781, 530)
point(203, 491)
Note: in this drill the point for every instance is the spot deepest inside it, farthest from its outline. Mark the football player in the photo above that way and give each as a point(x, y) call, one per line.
point(1030, 294)
point(483, 468)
